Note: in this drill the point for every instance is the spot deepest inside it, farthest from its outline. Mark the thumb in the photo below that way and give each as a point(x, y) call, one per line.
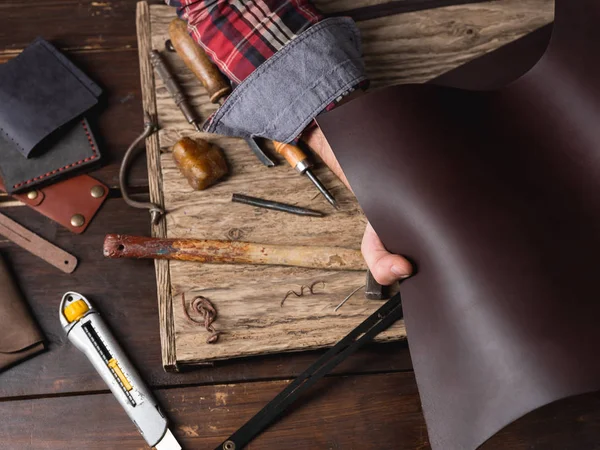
point(385, 266)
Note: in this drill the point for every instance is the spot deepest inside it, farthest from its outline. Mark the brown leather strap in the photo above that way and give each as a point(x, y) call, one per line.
point(36, 245)
point(72, 203)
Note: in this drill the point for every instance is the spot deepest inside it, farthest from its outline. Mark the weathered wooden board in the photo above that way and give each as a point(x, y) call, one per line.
point(363, 412)
point(410, 47)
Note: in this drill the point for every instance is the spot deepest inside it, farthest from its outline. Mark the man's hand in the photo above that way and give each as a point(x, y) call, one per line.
point(385, 266)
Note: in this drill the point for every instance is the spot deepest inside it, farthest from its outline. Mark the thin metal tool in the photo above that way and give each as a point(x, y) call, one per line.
point(275, 206)
point(36, 245)
point(300, 162)
point(379, 321)
point(322, 189)
point(173, 88)
point(156, 212)
point(343, 302)
point(88, 332)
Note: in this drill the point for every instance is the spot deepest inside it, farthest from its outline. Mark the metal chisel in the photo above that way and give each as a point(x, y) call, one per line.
point(88, 332)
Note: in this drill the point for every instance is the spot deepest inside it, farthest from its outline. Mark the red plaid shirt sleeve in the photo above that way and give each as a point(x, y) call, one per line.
point(239, 35)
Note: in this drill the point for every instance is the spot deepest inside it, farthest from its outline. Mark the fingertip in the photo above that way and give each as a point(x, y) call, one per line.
point(388, 270)
point(401, 269)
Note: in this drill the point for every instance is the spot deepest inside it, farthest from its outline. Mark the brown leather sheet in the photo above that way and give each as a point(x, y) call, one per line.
point(495, 195)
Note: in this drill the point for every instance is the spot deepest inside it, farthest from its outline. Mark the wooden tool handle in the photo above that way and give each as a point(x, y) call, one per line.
point(292, 154)
point(195, 58)
point(231, 252)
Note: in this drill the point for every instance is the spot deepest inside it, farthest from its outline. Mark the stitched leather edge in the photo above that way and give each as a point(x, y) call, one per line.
point(68, 166)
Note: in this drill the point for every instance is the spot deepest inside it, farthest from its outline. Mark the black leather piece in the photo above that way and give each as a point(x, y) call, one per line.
point(68, 151)
point(494, 195)
point(40, 91)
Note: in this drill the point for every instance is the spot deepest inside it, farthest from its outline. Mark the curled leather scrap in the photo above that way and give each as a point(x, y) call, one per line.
point(495, 194)
point(156, 212)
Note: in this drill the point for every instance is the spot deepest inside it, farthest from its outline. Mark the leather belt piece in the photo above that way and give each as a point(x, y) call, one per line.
point(37, 246)
point(495, 194)
point(378, 322)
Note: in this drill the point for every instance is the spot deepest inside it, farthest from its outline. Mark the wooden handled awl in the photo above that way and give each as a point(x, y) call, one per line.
point(299, 161)
point(232, 252)
point(196, 60)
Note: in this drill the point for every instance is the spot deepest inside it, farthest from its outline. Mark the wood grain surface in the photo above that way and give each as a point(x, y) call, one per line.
point(366, 412)
point(124, 291)
point(373, 405)
point(248, 297)
point(412, 47)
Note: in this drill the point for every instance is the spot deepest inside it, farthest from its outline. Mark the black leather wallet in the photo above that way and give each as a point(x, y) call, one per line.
point(65, 152)
point(43, 134)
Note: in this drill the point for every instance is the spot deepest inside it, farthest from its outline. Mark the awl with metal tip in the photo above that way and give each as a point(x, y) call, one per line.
point(299, 161)
point(173, 88)
point(88, 332)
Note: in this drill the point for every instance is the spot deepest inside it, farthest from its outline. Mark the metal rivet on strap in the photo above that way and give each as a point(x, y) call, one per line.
point(97, 191)
point(32, 195)
point(77, 220)
point(229, 445)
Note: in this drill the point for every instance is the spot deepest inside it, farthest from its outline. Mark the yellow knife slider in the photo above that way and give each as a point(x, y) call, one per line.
point(114, 365)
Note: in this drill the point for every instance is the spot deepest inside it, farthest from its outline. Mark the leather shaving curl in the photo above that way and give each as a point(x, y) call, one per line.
point(207, 311)
point(310, 289)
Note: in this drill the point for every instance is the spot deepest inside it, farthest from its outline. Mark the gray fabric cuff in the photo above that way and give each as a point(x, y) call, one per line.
point(280, 98)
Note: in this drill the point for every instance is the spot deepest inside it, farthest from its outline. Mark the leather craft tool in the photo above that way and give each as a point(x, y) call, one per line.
point(374, 290)
point(36, 245)
point(88, 332)
point(156, 212)
point(212, 79)
point(218, 88)
point(173, 88)
point(233, 252)
point(299, 161)
point(376, 323)
point(275, 206)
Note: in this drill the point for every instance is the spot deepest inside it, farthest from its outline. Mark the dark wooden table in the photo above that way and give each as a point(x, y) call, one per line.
point(57, 401)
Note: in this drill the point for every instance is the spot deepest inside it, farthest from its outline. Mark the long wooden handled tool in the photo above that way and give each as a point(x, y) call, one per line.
point(232, 252)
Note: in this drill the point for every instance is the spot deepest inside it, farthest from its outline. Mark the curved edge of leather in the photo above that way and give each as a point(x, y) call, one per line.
point(18, 330)
point(7, 360)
